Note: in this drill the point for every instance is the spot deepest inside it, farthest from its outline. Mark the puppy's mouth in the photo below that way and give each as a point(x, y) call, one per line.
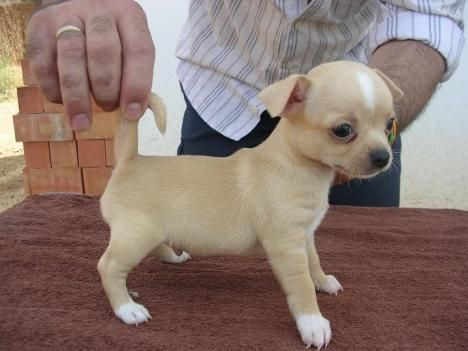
point(359, 173)
point(342, 170)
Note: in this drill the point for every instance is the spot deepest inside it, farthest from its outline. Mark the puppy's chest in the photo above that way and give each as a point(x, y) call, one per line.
point(315, 220)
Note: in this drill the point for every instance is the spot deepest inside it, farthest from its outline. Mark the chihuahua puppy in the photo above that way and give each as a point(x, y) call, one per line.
point(270, 198)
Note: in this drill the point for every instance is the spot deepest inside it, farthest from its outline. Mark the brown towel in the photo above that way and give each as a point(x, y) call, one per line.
point(404, 273)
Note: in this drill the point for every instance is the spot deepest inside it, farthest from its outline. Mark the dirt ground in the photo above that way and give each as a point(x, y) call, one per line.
point(11, 159)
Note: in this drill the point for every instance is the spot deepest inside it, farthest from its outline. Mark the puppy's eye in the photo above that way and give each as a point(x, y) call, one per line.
point(390, 124)
point(343, 132)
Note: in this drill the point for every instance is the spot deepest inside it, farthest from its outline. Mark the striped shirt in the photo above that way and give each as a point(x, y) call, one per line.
point(230, 49)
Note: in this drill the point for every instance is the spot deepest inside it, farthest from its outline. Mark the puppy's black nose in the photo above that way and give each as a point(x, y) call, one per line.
point(380, 158)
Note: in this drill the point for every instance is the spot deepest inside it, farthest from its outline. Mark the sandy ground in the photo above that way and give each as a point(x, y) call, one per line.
point(11, 159)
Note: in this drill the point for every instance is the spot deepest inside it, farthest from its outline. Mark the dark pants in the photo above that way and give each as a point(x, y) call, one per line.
point(198, 138)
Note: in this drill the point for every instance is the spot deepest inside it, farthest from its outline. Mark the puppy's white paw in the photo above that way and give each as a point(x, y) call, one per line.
point(184, 256)
point(314, 329)
point(133, 313)
point(330, 286)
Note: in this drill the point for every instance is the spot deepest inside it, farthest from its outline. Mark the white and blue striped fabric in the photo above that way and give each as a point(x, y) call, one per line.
point(230, 49)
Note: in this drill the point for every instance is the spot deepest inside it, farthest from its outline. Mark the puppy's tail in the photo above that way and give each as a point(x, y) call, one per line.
point(126, 136)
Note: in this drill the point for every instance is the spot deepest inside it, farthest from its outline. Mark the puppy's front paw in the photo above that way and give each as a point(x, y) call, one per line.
point(184, 256)
point(174, 258)
point(314, 329)
point(330, 286)
point(133, 313)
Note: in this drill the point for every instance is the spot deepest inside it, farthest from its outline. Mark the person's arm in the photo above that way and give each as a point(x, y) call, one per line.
point(111, 56)
point(417, 44)
point(416, 69)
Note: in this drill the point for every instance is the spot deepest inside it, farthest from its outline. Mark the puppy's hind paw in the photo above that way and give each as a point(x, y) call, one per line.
point(184, 256)
point(330, 286)
point(133, 313)
point(314, 329)
point(174, 258)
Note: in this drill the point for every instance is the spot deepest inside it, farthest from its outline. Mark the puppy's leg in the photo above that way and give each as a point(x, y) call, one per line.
point(121, 256)
point(167, 254)
point(323, 282)
point(289, 261)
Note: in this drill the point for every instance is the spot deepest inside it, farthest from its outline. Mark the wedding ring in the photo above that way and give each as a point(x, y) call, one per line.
point(67, 29)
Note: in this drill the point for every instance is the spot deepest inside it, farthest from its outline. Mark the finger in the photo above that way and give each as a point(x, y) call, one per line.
point(41, 52)
point(138, 60)
point(74, 86)
point(104, 62)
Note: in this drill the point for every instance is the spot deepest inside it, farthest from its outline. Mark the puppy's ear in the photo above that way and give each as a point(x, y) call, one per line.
point(396, 92)
point(286, 97)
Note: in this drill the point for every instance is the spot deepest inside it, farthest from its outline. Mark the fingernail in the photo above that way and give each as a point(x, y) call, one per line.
point(134, 110)
point(80, 122)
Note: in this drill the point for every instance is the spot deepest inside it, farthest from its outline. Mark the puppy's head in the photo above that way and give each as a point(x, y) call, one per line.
point(339, 114)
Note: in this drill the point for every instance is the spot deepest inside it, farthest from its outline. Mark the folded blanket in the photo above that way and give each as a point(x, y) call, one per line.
point(404, 273)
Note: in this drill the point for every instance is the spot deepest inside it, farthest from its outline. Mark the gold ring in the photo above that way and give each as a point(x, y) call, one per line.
point(67, 29)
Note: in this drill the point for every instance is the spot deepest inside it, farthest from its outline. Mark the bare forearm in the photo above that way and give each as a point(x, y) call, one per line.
point(416, 68)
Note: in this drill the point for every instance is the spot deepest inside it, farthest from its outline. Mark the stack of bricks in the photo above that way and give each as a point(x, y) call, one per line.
point(56, 158)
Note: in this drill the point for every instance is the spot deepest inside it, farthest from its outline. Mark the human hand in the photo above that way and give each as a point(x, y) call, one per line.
point(111, 56)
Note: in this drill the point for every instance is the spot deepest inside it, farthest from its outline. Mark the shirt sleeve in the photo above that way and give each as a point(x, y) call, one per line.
point(438, 24)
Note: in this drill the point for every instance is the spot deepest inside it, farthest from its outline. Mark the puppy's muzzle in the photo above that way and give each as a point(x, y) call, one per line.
point(380, 158)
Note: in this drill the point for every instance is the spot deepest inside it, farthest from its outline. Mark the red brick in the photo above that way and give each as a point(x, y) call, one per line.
point(102, 127)
point(95, 107)
point(42, 127)
point(63, 154)
point(28, 78)
point(50, 106)
point(26, 182)
point(36, 154)
point(95, 180)
point(53, 180)
point(110, 158)
point(91, 153)
point(30, 99)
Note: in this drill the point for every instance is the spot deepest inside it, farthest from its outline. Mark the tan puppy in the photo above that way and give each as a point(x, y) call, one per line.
point(270, 198)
